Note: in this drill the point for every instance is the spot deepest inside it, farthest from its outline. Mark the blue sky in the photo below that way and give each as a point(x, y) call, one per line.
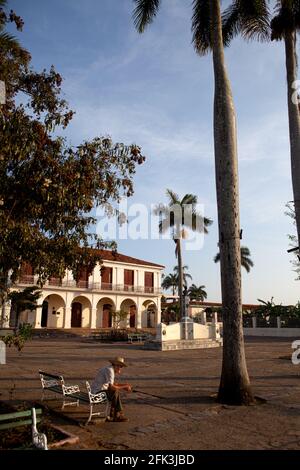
point(153, 90)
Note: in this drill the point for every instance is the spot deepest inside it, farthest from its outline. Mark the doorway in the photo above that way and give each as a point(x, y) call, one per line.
point(76, 318)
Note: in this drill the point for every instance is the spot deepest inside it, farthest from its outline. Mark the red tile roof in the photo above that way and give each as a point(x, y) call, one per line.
point(108, 255)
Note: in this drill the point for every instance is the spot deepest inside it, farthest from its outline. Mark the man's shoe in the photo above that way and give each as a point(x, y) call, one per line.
point(120, 419)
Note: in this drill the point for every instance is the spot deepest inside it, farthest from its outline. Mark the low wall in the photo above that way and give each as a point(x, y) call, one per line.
point(276, 332)
point(195, 331)
point(168, 332)
point(202, 331)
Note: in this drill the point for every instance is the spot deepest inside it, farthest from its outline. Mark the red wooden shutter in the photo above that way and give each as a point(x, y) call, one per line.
point(128, 278)
point(106, 277)
point(149, 282)
point(83, 278)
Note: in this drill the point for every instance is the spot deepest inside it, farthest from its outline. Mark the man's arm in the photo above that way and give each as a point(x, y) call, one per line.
point(126, 387)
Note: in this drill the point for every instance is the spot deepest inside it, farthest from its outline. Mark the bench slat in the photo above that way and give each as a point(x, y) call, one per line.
point(18, 414)
point(45, 374)
point(81, 396)
point(55, 388)
point(16, 424)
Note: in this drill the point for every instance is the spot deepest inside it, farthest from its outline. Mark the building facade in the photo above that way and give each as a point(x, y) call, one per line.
point(120, 283)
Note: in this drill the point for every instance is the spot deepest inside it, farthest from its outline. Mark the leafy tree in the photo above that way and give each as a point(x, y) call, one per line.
point(7, 41)
point(197, 292)
point(178, 216)
point(25, 299)
point(22, 334)
point(118, 317)
point(207, 36)
point(246, 261)
point(47, 187)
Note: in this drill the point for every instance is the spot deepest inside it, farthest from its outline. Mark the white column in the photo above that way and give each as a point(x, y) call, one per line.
point(118, 302)
point(138, 320)
point(253, 322)
point(6, 314)
point(278, 322)
point(158, 316)
point(203, 317)
point(38, 318)
point(157, 283)
point(67, 317)
point(136, 280)
point(93, 317)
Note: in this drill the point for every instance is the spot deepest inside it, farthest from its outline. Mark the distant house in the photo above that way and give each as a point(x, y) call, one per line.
point(119, 283)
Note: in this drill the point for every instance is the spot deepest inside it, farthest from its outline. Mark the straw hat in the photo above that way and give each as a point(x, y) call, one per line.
point(118, 361)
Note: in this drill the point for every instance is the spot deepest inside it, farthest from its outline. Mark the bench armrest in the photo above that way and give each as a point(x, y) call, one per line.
point(69, 389)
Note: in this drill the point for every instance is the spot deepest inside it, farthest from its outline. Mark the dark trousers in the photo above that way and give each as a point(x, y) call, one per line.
point(116, 405)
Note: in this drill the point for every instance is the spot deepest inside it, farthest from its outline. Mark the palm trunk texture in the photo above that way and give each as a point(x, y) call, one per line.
point(234, 385)
point(180, 278)
point(294, 121)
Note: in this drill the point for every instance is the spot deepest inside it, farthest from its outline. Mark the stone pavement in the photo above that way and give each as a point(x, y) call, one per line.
point(173, 406)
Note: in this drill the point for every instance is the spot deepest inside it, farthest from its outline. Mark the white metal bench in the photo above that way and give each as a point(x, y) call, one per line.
point(92, 399)
point(56, 383)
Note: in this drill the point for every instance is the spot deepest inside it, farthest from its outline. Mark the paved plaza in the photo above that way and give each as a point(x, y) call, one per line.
point(173, 404)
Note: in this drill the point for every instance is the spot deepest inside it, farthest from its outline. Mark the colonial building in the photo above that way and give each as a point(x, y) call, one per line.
point(119, 283)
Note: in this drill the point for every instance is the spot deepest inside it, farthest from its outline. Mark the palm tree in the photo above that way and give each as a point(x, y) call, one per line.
point(284, 26)
point(197, 293)
point(185, 275)
point(207, 35)
point(170, 282)
point(246, 261)
point(178, 216)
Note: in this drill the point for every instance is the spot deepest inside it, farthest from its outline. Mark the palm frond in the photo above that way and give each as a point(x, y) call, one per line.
point(287, 18)
point(230, 23)
point(189, 199)
point(217, 258)
point(246, 261)
point(195, 221)
point(251, 18)
point(144, 13)
point(164, 225)
point(201, 26)
point(9, 43)
point(173, 197)
point(161, 209)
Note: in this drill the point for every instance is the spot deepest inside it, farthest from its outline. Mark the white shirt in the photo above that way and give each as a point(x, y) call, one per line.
point(103, 379)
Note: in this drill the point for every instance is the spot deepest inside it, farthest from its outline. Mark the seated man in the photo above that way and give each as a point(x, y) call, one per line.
point(105, 380)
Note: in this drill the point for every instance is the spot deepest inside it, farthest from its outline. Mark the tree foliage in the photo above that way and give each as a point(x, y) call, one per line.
point(246, 260)
point(197, 292)
point(47, 187)
point(25, 299)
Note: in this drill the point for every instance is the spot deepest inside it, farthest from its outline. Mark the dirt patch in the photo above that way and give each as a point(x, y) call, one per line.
point(21, 437)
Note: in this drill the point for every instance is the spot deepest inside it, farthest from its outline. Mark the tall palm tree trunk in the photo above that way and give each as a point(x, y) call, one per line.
point(234, 384)
point(180, 277)
point(294, 120)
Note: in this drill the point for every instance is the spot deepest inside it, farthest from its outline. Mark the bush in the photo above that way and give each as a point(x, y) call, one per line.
point(21, 335)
